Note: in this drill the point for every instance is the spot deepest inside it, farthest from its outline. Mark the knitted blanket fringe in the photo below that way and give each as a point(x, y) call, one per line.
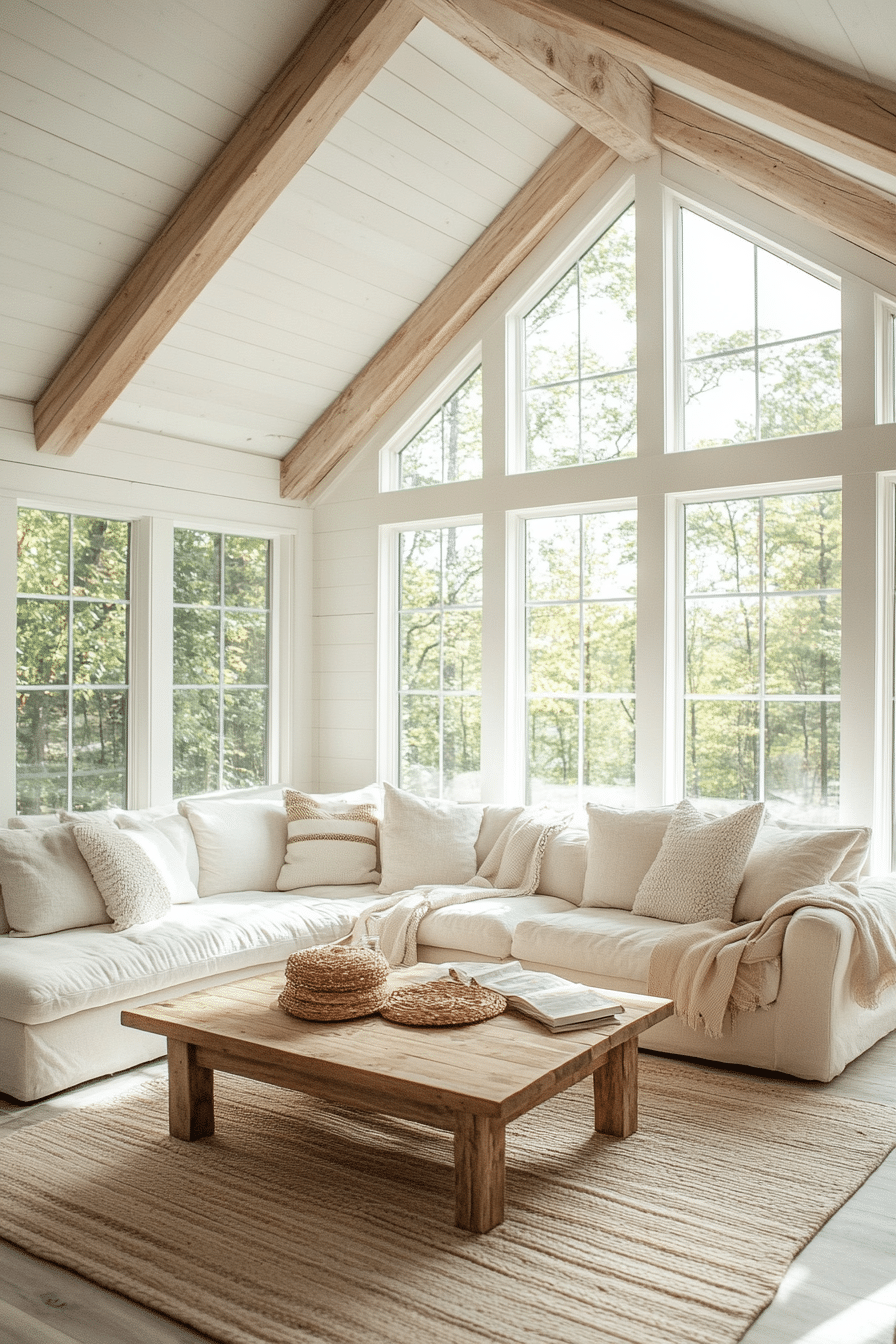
point(511, 868)
point(710, 969)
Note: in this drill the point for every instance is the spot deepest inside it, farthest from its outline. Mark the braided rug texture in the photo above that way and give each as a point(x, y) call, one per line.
point(300, 1222)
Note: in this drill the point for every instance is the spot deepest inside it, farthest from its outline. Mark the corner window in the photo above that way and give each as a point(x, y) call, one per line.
point(579, 358)
point(449, 446)
point(72, 662)
point(222, 618)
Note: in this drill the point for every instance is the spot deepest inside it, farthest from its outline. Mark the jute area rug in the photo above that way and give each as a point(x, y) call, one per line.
point(300, 1221)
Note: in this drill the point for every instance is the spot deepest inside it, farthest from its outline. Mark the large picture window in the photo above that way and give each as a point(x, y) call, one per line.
point(762, 652)
point(580, 658)
point(440, 661)
point(72, 661)
point(222, 616)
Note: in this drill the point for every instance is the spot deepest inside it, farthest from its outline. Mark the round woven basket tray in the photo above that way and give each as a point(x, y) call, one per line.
point(333, 1007)
point(442, 1003)
point(338, 969)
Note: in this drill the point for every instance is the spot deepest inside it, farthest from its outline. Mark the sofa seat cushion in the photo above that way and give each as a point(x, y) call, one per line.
point(45, 978)
point(486, 926)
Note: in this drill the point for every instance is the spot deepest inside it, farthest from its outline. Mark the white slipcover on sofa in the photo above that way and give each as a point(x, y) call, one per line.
point(62, 992)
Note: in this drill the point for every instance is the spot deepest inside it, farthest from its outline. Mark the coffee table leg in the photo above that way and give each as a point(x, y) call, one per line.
point(191, 1094)
point(478, 1172)
point(616, 1091)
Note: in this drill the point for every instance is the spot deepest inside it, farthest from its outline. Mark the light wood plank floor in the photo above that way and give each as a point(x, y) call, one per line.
point(840, 1290)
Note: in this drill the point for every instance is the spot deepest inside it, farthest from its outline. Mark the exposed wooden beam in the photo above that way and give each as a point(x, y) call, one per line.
point(835, 109)
point(344, 50)
point(842, 204)
point(578, 163)
point(610, 99)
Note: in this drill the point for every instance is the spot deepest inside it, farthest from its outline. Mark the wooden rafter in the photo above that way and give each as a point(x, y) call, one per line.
point(610, 99)
point(842, 204)
point(344, 50)
point(835, 109)
point(578, 163)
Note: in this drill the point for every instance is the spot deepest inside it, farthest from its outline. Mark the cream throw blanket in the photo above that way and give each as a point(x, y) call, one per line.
point(511, 868)
point(709, 969)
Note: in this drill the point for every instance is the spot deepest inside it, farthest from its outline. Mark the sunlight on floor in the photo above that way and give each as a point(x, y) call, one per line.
point(870, 1321)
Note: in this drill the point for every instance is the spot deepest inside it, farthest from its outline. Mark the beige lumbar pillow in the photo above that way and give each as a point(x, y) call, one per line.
point(47, 886)
point(426, 840)
point(331, 845)
point(700, 865)
point(621, 848)
point(782, 861)
point(132, 887)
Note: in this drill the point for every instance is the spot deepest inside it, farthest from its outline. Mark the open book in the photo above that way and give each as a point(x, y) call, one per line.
point(559, 1004)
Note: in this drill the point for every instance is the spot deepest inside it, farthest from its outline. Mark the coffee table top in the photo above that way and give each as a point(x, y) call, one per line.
point(500, 1067)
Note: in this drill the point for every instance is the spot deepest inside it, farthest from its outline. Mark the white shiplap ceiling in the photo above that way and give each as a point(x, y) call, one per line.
point(111, 109)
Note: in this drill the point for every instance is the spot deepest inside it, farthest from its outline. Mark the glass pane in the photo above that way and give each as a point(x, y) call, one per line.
point(100, 643)
point(609, 647)
point(608, 768)
point(196, 647)
point(463, 565)
point(462, 651)
point(100, 557)
point(419, 745)
point(244, 758)
point(792, 302)
point(552, 334)
point(94, 790)
point(802, 645)
point(197, 566)
point(720, 401)
point(462, 429)
point(420, 463)
point(421, 568)
point(723, 646)
point(99, 738)
point(802, 541)
point(246, 572)
point(553, 549)
point(802, 760)
point(40, 792)
point(43, 540)
point(552, 427)
point(195, 741)
point(607, 314)
point(246, 648)
point(461, 737)
point(42, 733)
point(722, 749)
point(799, 388)
point(552, 642)
point(609, 417)
point(610, 542)
point(722, 546)
point(41, 642)
point(718, 290)
point(553, 752)
point(420, 651)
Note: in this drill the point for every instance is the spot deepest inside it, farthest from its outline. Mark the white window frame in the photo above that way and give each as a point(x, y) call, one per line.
point(885, 388)
point(389, 465)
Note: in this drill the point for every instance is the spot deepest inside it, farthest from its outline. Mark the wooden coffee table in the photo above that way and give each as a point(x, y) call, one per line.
point(471, 1080)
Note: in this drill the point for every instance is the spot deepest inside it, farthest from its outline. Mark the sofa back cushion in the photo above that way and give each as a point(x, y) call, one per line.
point(563, 865)
point(621, 848)
point(241, 843)
point(46, 885)
point(785, 860)
point(426, 840)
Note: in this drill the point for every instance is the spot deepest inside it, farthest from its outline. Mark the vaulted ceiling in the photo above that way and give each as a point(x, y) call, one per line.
point(112, 111)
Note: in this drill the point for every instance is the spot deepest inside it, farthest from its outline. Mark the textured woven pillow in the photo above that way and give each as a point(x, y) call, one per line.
point(327, 846)
point(700, 865)
point(46, 884)
point(621, 848)
point(782, 861)
point(132, 888)
point(427, 840)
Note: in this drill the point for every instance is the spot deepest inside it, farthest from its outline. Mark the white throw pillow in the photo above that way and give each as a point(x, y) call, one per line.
point(782, 861)
point(850, 869)
point(133, 889)
point(241, 844)
point(47, 886)
point(35, 821)
point(426, 840)
point(700, 865)
point(334, 846)
point(621, 848)
point(167, 850)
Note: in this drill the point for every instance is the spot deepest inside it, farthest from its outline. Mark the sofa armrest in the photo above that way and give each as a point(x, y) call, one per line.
point(814, 998)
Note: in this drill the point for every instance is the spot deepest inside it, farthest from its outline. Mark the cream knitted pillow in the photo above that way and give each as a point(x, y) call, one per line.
point(700, 865)
point(132, 888)
point(427, 840)
point(327, 846)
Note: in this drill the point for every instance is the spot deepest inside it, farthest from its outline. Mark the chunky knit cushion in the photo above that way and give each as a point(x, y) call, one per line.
point(133, 889)
point(329, 845)
point(700, 865)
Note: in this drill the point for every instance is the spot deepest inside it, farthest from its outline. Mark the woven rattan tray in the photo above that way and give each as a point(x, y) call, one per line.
point(442, 1003)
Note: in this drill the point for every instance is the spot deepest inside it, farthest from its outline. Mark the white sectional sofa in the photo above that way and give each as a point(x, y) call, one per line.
point(62, 992)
